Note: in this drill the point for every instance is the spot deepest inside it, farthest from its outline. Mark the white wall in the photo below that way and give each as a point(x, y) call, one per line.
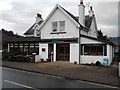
point(110, 53)
point(87, 59)
point(74, 53)
point(44, 54)
point(84, 32)
point(90, 41)
point(92, 59)
point(70, 28)
point(37, 58)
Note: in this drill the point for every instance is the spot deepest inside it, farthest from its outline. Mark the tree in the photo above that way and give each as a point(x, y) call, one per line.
point(101, 36)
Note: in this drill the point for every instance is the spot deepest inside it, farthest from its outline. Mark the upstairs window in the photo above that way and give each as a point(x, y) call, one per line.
point(61, 25)
point(54, 26)
point(58, 26)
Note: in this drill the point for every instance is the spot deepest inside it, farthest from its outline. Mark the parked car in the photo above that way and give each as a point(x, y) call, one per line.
point(22, 58)
point(28, 58)
point(18, 58)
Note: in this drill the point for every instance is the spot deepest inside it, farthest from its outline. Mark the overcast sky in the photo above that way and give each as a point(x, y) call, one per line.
point(19, 15)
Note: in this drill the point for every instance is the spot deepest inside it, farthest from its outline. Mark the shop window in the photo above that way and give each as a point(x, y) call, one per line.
point(94, 49)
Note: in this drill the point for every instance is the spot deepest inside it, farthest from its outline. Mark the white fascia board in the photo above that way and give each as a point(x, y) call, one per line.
point(68, 16)
point(57, 6)
point(48, 17)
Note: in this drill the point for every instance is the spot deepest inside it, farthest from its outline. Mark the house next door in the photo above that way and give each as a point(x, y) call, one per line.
point(63, 52)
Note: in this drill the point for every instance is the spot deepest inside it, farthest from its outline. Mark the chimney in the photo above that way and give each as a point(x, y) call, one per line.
point(82, 13)
point(39, 18)
point(91, 12)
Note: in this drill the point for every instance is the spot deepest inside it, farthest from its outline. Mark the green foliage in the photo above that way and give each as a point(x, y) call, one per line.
point(7, 36)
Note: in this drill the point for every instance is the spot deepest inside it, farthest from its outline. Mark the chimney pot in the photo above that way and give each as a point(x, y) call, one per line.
point(81, 1)
point(91, 12)
point(91, 8)
point(39, 15)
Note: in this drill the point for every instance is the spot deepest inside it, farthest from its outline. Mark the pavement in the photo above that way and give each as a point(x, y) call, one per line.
point(96, 74)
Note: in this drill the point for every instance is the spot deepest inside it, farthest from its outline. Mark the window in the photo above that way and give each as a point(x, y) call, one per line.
point(58, 26)
point(54, 26)
point(61, 25)
point(93, 49)
point(43, 49)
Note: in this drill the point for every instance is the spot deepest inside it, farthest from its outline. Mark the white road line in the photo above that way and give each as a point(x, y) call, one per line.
point(21, 85)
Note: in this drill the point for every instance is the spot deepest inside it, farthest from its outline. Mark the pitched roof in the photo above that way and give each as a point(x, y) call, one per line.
point(88, 21)
point(30, 31)
point(70, 14)
point(25, 39)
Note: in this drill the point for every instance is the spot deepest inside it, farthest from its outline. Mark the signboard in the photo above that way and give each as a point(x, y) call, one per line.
point(105, 62)
point(54, 41)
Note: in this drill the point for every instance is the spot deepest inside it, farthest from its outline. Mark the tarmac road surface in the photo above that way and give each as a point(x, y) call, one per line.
point(12, 78)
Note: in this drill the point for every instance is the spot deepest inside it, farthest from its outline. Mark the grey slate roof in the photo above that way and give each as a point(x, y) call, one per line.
point(88, 20)
point(30, 31)
point(25, 39)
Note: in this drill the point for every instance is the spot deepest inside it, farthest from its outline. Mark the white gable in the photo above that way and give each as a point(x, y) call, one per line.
point(71, 29)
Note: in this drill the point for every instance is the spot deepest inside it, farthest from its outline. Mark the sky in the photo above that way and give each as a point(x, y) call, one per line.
point(19, 15)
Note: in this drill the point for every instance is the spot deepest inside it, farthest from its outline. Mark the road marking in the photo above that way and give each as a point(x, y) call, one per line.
point(18, 84)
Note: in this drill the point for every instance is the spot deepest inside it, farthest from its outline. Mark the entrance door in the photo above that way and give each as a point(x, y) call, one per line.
point(50, 52)
point(63, 52)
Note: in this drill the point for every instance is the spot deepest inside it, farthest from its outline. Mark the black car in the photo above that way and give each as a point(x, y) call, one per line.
point(22, 58)
point(28, 58)
point(18, 58)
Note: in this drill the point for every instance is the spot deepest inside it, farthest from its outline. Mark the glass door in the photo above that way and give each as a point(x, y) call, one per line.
point(63, 51)
point(50, 52)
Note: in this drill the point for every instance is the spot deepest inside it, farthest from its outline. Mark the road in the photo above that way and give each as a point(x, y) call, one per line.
point(12, 78)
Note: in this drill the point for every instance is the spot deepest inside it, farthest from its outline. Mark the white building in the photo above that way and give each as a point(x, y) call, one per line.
point(64, 37)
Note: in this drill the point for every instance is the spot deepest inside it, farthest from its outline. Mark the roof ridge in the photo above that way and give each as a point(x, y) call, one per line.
point(74, 17)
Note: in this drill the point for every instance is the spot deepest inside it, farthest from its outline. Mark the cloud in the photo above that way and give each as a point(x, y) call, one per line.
point(19, 15)
point(107, 17)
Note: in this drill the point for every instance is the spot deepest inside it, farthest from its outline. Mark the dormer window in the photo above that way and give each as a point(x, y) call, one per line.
point(54, 26)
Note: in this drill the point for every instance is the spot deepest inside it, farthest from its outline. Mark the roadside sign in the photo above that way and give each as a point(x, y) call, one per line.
point(106, 62)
